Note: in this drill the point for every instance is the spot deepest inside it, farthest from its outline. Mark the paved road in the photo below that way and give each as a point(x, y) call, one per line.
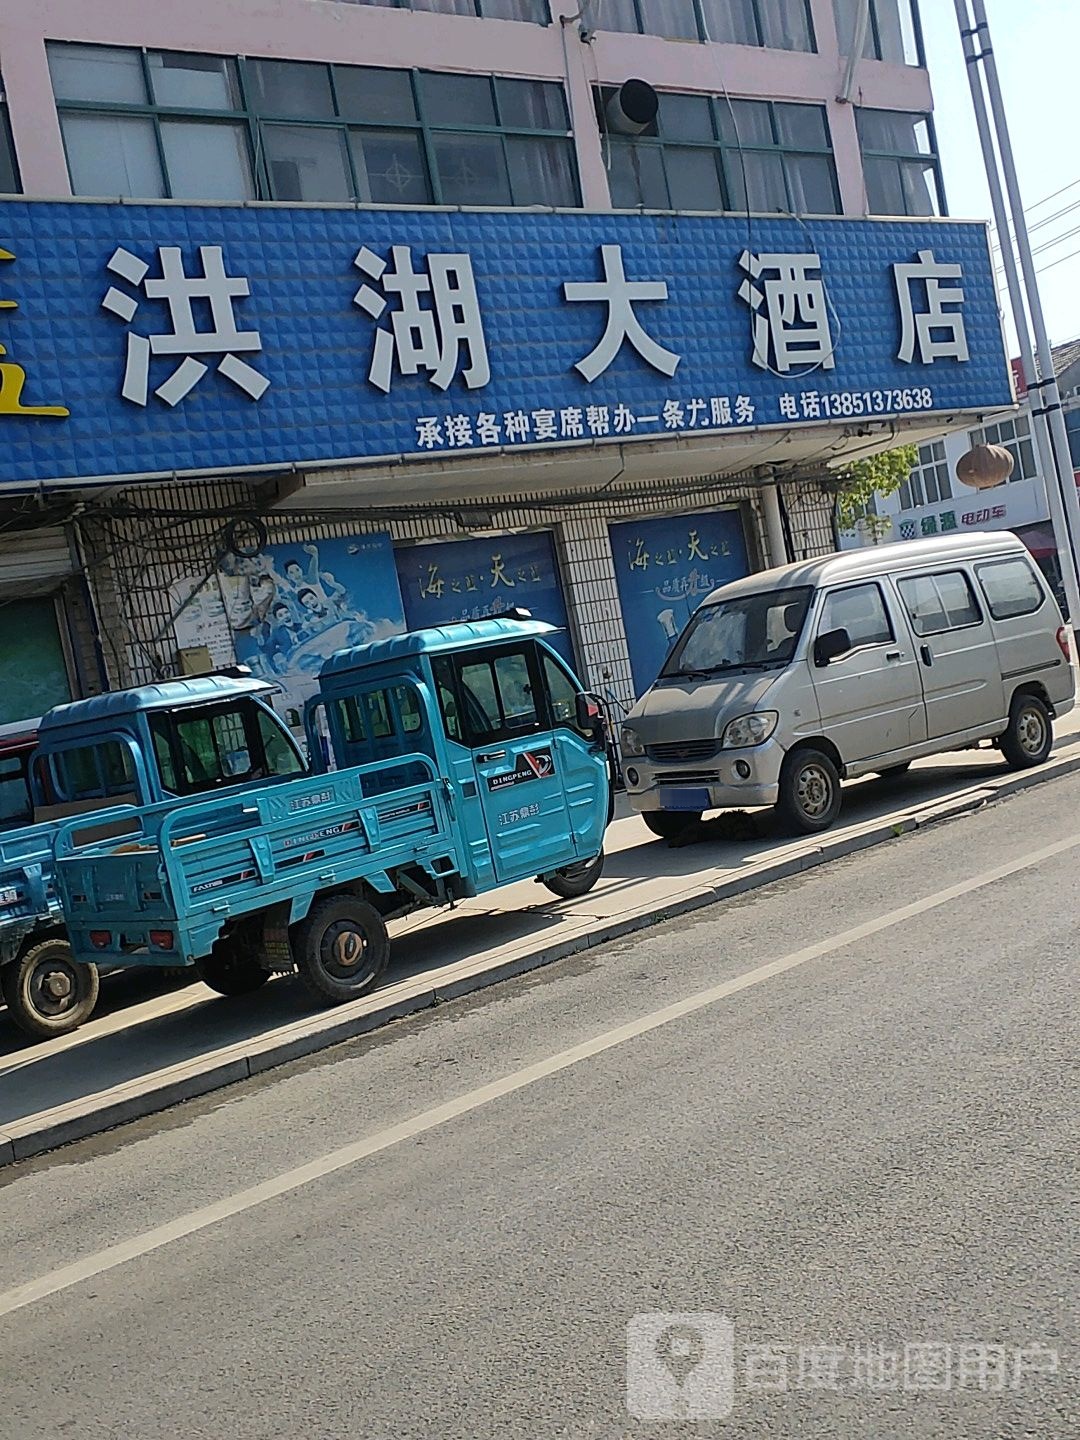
point(144, 1025)
point(842, 1112)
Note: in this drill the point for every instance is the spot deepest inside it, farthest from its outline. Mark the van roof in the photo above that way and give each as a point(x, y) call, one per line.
point(198, 690)
point(874, 560)
point(459, 635)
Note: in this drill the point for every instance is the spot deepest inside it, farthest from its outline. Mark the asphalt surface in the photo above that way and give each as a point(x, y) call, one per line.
point(871, 1149)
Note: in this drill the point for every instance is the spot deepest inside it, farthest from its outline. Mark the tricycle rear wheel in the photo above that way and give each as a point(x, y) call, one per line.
point(47, 991)
point(341, 948)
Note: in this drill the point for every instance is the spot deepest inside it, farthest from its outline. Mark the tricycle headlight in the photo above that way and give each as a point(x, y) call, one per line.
point(631, 742)
point(749, 730)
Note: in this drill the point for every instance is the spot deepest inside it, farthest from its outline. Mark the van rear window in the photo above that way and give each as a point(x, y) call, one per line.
point(1010, 587)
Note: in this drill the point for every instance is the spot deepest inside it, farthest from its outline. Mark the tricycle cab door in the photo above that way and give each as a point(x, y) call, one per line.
point(503, 719)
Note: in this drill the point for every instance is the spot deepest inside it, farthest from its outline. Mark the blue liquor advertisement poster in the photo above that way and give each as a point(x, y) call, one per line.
point(290, 606)
point(481, 578)
point(664, 568)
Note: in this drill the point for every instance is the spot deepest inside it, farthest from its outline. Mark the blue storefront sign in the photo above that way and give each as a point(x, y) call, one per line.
point(169, 339)
point(289, 607)
point(472, 579)
point(664, 568)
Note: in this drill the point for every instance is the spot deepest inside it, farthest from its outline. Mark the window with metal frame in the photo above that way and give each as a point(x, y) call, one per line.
point(9, 167)
point(535, 12)
point(939, 602)
point(16, 807)
point(163, 124)
point(1011, 588)
point(1015, 436)
point(901, 169)
point(768, 24)
point(929, 481)
point(711, 153)
point(893, 33)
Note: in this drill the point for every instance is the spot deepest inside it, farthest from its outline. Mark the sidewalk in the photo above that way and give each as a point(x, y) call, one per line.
point(146, 1050)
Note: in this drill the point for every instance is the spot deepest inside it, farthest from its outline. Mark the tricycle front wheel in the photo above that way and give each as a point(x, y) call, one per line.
point(341, 948)
point(47, 991)
point(575, 880)
point(233, 966)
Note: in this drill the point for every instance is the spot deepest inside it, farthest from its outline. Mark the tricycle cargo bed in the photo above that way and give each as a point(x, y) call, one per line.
point(193, 870)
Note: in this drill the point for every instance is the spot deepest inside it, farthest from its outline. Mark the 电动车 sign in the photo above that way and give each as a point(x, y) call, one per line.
point(161, 339)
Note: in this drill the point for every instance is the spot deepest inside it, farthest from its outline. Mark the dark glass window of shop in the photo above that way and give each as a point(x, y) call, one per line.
point(9, 170)
point(705, 153)
point(161, 124)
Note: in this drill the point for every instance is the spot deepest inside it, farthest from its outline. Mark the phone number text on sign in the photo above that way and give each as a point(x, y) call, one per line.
point(876, 402)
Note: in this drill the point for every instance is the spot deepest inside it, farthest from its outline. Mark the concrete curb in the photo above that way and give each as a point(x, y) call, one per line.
point(138, 1098)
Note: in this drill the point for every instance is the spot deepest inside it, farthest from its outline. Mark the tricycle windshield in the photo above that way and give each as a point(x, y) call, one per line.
point(748, 632)
point(220, 745)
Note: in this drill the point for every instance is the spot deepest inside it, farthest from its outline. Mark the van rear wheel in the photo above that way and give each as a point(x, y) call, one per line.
point(670, 824)
point(1029, 737)
point(342, 948)
point(809, 798)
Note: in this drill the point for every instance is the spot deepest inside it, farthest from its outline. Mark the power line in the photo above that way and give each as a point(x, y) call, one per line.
point(1049, 220)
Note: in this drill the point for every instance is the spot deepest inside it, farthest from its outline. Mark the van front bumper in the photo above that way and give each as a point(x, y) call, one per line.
point(731, 779)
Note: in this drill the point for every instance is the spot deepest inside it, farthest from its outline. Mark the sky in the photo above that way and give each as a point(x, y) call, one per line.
point(1037, 47)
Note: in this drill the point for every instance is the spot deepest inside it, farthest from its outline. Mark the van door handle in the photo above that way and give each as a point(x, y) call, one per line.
point(894, 655)
point(491, 755)
point(927, 654)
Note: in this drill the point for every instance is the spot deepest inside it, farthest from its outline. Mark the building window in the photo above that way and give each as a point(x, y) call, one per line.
point(159, 125)
point(900, 163)
point(774, 24)
point(892, 32)
point(714, 154)
point(929, 481)
point(9, 170)
point(1014, 436)
point(535, 11)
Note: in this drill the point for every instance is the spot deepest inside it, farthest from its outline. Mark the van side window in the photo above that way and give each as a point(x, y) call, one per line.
point(939, 602)
point(860, 611)
point(443, 670)
point(1010, 588)
point(94, 771)
point(562, 693)
point(15, 807)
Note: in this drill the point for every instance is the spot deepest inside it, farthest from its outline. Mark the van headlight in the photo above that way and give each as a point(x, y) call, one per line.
point(632, 743)
point(749, 730)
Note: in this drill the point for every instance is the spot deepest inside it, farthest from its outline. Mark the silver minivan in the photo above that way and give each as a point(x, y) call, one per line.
point(789, 681)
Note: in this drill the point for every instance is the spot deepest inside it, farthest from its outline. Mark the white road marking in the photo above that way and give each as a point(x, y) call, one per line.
point(114, 1255)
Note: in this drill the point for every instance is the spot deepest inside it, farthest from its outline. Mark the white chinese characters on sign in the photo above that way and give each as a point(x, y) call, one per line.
point(422, 336)
point(178, 290)
point(791, 311)
point(938, 333)
point(619, 295)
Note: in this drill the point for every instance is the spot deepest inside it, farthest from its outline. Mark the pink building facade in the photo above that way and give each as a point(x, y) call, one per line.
point(750, 107)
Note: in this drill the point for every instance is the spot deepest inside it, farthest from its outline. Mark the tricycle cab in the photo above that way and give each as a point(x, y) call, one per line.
point(520, 749)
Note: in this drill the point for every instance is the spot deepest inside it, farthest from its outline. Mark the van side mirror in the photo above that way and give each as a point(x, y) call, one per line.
point(587, 714)
point(828, 646)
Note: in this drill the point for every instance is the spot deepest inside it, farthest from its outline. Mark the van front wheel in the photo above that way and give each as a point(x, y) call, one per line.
point(341, 948)
point(809, 798)
point(1030, 734)
point(670, 824)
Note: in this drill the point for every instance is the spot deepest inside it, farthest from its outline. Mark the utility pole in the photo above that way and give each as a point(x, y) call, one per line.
point(1047, 417)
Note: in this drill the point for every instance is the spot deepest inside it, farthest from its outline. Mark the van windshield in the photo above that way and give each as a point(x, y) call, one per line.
point(746, 633)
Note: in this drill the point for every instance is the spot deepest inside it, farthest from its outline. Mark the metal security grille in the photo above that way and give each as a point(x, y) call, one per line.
point(146, 543)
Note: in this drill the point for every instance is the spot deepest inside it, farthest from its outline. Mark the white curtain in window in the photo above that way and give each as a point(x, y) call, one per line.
point(113, 155)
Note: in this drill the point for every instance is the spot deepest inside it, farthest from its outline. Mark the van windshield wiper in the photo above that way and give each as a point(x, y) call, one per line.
point(707, 672)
